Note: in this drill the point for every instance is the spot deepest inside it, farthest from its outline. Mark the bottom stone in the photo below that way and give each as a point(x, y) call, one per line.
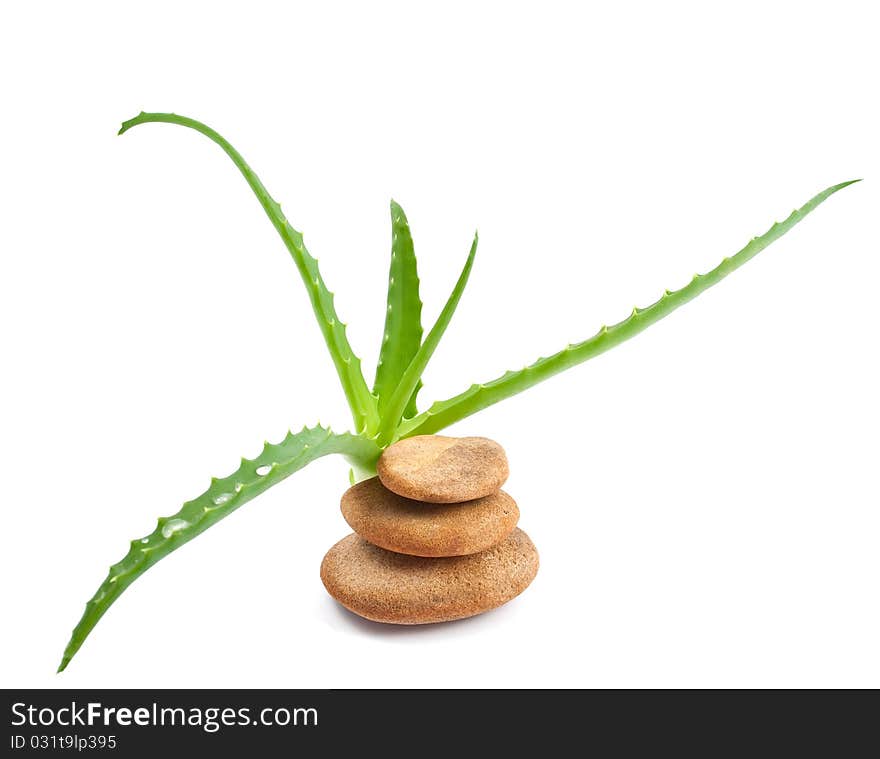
point(414, 590)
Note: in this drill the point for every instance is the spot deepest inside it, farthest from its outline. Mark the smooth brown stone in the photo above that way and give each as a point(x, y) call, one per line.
point(399, 524)
point(412, 590)
point(440, 469)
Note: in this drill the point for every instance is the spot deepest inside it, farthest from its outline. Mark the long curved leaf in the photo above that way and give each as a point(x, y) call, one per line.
point(348, 365)
point(478, 397)
point(411, 377)
point(403, 316)
point(224, 496)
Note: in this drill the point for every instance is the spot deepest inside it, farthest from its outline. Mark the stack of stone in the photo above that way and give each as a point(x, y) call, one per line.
point(435, 538)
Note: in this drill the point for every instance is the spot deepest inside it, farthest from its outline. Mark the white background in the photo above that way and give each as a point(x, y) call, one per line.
point(704, 497)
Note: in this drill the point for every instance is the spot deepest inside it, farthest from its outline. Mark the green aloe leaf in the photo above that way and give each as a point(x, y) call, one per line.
point(480, 396)
point(388, 412)
point(348, 365)
point(224, 496)
point(395, 409)
point(403, 316)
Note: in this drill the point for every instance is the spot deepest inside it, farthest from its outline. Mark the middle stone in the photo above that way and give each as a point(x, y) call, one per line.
point(399, 524)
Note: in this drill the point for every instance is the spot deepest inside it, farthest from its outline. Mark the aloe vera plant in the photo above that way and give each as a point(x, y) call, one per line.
point(386, 412)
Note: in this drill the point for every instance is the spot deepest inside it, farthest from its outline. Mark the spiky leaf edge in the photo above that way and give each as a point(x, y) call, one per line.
point(396, 406)
point(253, 476)
point(348, 365)
point(480, 396)
point(402, 335)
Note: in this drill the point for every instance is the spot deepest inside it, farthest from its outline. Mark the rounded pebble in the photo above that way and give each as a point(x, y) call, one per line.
point(440, 469)
point(399, 524)
point(411, 590)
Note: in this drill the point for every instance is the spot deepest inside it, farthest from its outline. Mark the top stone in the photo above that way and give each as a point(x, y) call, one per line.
point(438, 469)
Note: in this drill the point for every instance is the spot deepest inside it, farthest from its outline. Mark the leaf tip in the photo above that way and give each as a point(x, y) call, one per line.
point(834, 188)
point(126, 125)
point(397, 214)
